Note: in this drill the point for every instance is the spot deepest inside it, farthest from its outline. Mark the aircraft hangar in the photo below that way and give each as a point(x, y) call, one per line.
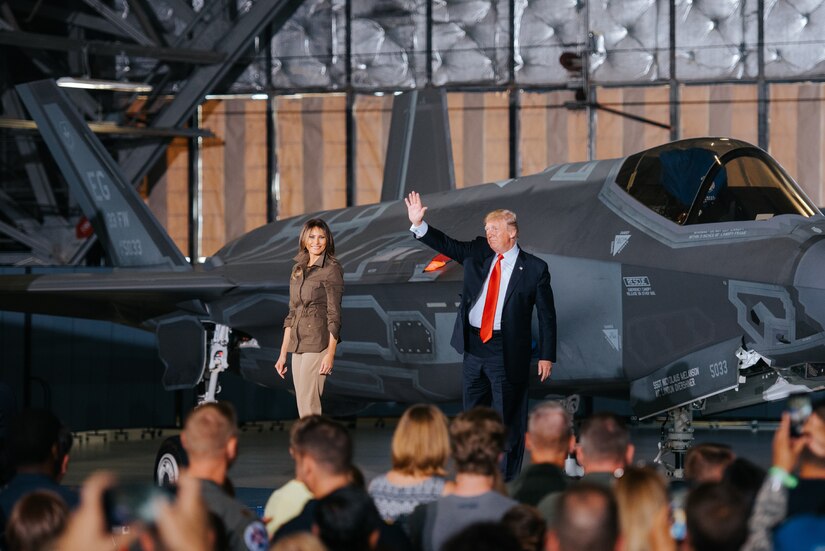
point(226, 115)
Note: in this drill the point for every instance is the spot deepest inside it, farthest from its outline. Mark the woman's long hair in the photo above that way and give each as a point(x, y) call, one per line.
point(641, 494)
point(421, 443)
point(316, 223)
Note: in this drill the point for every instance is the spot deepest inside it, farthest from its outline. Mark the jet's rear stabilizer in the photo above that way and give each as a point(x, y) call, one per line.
point(419, 150)
point(130, 234)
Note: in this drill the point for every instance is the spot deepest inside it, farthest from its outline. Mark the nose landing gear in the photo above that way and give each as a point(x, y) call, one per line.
point(676, 439)
point(171, 456)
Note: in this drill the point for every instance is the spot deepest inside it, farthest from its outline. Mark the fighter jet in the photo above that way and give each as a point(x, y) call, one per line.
point(687, 277)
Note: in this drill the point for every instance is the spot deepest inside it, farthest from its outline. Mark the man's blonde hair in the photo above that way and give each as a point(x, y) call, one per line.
point(209, 428)
point(508, 216)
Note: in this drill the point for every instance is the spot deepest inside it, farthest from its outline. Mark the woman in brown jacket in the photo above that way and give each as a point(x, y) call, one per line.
point(313, 324)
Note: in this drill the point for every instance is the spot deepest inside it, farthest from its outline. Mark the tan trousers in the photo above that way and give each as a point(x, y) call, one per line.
point(309, 383)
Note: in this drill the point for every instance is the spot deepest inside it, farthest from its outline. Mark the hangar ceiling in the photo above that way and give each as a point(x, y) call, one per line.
point(186, 49)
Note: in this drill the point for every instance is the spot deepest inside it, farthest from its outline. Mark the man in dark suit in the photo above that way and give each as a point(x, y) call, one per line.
point(502, 285)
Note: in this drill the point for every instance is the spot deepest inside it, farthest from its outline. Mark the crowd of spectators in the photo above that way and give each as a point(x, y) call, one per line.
point(444, 491)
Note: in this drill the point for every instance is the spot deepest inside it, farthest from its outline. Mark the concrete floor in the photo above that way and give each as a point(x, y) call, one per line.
point(264, 462)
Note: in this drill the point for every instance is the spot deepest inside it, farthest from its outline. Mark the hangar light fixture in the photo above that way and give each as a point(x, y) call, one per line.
point(98, 84)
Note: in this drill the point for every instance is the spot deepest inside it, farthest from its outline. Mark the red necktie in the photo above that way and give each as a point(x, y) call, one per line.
point(488, 316)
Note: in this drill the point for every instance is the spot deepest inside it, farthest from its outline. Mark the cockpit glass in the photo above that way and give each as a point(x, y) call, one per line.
point(706, 181)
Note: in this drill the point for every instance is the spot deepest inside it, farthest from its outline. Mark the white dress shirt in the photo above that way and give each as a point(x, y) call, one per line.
point(507, 265)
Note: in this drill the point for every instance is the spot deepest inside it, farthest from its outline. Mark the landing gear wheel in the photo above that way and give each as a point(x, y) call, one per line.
point(169, 461)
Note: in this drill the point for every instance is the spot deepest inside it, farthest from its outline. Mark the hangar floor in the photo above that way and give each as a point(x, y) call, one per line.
point(264, 463)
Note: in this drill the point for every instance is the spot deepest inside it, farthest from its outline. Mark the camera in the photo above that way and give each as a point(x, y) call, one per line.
point(799, 409)
point(127, 504)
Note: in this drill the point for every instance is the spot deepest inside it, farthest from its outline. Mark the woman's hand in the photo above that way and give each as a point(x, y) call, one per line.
point(280, 365)
point(326, 364)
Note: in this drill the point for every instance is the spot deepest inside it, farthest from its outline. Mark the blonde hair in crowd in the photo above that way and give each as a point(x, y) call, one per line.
point(641, 494)
point(421, 442)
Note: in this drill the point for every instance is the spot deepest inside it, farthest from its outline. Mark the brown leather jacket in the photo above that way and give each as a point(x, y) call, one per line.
point(314, 303)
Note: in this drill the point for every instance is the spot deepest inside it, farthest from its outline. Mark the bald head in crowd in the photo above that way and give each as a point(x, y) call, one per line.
point(210, 438)
point(549, 436)
point(604, 444)
point(588, 519)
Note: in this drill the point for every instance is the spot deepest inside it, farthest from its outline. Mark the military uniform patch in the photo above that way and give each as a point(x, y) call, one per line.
point(255, 537)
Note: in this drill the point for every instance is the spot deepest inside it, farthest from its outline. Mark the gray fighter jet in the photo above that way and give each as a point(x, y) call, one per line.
point(687, 277)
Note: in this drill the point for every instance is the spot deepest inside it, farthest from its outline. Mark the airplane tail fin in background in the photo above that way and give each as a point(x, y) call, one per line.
point(130, 234)
point(419, 149)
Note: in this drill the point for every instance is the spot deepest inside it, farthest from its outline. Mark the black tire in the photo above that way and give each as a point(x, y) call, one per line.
point(170, 459)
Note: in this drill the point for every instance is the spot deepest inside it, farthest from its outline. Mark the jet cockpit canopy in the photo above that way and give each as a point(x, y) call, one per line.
point(706, 180)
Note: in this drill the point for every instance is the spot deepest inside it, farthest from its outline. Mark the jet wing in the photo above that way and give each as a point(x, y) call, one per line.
point(128, 297)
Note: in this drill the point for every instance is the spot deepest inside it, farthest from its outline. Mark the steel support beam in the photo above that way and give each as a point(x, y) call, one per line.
point(71, 17)
point(10, 21)
point(43, 62)
point(38, 178)
point(271, 135)
point(204, 79)
point(351, 126)
point(99, 47)
point(23, 221)
point(514, 100)
point(182, 9)
point(763, 90)
point(271, 162)
point(116, 130)
point(675, 95)
point(194, 194)
point(115, 19)
point(146, 22)
point(40, 248)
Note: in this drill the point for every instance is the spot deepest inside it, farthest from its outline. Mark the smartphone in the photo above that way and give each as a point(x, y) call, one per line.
point(799, 409)
point(127, 504)
point(678, 518)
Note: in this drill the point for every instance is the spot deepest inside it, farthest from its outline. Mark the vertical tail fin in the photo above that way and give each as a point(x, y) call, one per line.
point(130, 234)
point(419, 150)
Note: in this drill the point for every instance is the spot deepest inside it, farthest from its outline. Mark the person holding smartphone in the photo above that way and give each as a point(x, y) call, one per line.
point(793, 494)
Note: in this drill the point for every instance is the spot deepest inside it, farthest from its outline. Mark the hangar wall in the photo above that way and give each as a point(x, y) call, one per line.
point(311, 150)
point(743, 68)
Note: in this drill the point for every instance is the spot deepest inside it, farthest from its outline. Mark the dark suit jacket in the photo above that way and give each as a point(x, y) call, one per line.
point(529, 286)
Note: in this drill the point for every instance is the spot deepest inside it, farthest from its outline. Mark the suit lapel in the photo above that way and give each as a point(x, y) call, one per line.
point(518, 270)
